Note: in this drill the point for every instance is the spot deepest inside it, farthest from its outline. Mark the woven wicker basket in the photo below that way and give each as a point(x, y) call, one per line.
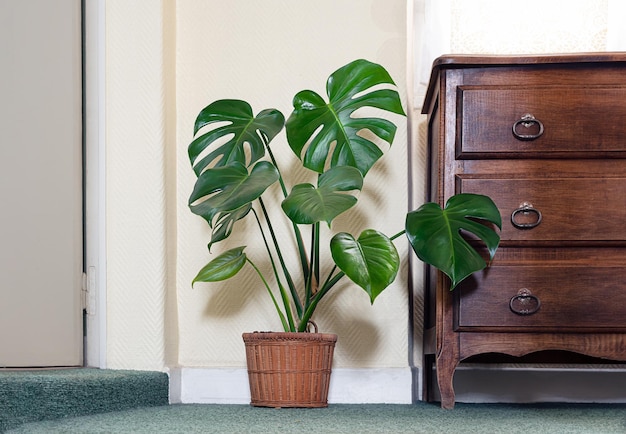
point(289, 369)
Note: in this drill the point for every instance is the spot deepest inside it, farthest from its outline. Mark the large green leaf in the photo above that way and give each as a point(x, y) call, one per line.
point(228, 188)
point(372, 261)
point(307, 204)
point(222, 267)
point(436, 234)
point(237, 127)
point(321, 125)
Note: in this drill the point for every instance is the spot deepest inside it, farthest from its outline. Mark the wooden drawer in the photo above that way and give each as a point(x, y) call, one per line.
point(569, 298)
point(572, 209)
point(585, 121)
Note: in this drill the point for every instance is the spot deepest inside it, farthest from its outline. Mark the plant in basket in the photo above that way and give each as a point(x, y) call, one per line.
point(233, 156)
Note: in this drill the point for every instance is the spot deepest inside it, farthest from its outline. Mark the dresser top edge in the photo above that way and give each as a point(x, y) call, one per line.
point(459, 61)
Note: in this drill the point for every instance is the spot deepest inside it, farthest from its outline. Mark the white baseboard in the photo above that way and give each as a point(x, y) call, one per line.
point(209, 386)
point(473, 384)
point(371, 386)
point(347, 386)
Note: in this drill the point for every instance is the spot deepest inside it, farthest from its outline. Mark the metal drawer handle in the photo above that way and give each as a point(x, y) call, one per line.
point(524, 303)
point(527, 121)
point(526, 209)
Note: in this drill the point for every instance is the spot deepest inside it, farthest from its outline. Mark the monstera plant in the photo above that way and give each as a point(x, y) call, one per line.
point(233, 156)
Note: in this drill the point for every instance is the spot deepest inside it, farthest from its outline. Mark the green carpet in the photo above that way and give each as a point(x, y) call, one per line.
point(109, 401)
point(29, 396)
point(344, 418)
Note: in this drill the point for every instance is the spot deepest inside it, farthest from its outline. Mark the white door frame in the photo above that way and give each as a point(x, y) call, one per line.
point(95, 186)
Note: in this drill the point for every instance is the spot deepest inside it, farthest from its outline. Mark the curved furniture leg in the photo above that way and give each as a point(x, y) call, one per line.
point(446, 365)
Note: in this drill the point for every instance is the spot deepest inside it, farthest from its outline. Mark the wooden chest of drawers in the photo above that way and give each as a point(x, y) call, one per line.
point(545, 138)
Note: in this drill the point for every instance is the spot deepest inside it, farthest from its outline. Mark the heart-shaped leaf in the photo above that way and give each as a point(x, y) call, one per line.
point(237, 128)
point(372, 261)
point(307, 204)
point(436, 234)
point(320, 125)
point(222, 267)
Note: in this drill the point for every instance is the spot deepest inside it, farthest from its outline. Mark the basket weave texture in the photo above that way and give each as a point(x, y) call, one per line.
point(288, 369)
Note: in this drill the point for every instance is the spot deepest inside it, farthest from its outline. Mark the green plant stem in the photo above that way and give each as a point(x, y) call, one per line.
point(330, 275)
point(283, 294)
point(308, 283)
point(296, 229)
point(308, 313)
point(399, 234)
point(292, 286)
point(271, 154)
point(315, 263)
point(286, 326)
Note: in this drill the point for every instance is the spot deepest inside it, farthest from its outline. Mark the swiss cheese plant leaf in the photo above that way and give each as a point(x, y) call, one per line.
point(228, 188)
point(436, 234)
point(222, 267)
point(236, 130)
point(223, 224)
point(371, 261)
point(329, 133)
point(307, 204)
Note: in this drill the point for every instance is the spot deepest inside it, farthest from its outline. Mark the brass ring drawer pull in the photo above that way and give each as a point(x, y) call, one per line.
point(527, 121)
point(526, 209)
point(524, 303)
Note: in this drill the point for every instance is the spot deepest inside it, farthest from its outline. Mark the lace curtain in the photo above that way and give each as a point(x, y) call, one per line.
point(513, 27)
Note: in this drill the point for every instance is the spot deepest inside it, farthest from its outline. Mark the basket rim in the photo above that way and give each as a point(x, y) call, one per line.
point(288, 336)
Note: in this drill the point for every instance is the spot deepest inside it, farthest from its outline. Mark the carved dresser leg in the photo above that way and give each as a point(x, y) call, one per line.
point(446, 365)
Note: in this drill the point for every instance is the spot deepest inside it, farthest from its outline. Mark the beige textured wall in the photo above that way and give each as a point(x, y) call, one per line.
point(164, 62)
point(136, 183)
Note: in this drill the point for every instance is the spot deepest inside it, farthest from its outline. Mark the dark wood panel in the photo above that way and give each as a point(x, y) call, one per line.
point(554, 357)
point(609, 346)
point(578, 120)
point(572, 209)
point(571, 298)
